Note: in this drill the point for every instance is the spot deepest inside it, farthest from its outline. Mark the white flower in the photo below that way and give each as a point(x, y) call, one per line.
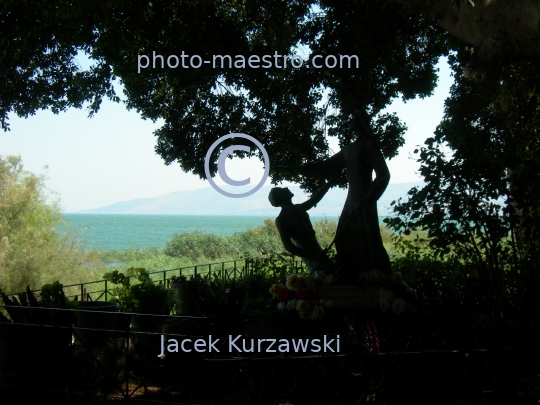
point(399, 306)
point(320, 274)
point(386, 297)
point(291, 304)
point(282, 306)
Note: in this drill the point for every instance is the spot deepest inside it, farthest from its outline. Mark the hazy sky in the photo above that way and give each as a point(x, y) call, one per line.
point(94, 162)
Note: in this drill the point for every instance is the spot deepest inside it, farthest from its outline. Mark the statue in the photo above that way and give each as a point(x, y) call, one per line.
point(358, 239)
point(294, 225)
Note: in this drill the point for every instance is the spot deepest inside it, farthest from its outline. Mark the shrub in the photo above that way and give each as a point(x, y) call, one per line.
point(254, 242)
point(197, 245)
point(444, 282)
point(325, 231)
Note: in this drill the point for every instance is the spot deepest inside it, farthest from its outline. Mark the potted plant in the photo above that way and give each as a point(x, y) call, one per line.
point(122, 295)
point(144, 298)
point(191, 291)
point(184, 292)
point(95, 320)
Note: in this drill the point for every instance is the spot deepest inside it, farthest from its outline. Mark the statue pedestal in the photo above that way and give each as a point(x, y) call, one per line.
point(349, 296)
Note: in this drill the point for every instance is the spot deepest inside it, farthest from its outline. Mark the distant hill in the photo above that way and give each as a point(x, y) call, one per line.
point(207, 201)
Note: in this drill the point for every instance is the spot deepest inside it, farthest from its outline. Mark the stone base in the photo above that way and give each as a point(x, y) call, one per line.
point(349, 296)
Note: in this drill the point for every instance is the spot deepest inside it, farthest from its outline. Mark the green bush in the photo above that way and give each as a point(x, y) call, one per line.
point(256, 242)
point(444, 282)
point(275, 267)
point(325, 231)
point(198, 245)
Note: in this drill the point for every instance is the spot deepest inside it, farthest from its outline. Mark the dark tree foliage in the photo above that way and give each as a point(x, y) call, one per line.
point(282, 107)
point(38, 43)
point(481, 170)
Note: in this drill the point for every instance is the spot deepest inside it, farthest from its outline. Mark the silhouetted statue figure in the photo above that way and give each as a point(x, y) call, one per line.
point(358, 238)
point(294, 225)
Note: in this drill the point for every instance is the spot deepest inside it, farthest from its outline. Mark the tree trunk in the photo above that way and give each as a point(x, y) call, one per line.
point(494, 28)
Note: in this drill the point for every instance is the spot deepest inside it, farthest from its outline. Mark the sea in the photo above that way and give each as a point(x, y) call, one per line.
point(121, 232)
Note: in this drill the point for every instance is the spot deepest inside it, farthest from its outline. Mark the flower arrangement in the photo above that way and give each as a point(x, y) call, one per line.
point(300, 293)
point(397, 296)
point(394, 294)
point(372, 276)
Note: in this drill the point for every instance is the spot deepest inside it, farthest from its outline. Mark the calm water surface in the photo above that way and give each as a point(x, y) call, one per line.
point(119, 232)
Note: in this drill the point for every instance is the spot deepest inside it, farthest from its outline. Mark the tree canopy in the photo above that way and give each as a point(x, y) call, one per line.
point(292, 111)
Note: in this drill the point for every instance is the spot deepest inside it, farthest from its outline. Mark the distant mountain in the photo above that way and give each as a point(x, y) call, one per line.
point(207, 201)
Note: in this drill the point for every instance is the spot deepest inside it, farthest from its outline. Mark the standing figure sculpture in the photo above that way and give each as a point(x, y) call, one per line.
point(358, 238)
point(294, 225)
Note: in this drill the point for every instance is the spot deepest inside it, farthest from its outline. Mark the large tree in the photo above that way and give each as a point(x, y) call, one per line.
point(481, 169)
point(292, 111)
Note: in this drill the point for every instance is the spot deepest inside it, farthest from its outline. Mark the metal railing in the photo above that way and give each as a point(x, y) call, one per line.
point(418, 366)
point(226, 271)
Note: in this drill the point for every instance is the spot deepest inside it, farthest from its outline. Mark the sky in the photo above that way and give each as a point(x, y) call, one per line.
point(98, 161)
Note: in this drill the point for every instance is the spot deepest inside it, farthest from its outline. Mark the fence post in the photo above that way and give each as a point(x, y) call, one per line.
point(106, 291)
